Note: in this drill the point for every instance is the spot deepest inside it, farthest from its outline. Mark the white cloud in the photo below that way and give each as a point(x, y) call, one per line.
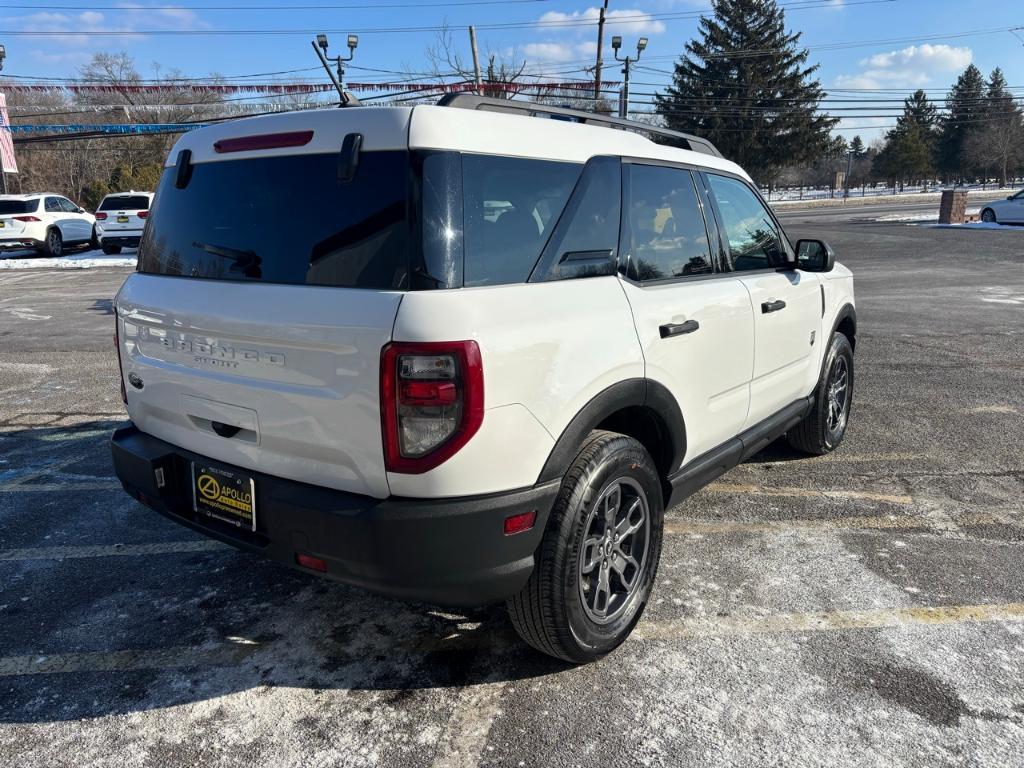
point(82, 28)
point(911, 67)
point(616, 21)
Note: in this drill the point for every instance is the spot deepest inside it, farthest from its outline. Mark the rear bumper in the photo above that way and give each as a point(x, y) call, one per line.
point(128, 240)
point(19, 243)
point(449, 552)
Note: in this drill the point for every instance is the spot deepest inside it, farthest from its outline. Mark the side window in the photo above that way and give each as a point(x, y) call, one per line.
point(67, 205)
point(53, 205)
point(587, 235)
point(510, 207)
point(667, 235)
point(754, 240)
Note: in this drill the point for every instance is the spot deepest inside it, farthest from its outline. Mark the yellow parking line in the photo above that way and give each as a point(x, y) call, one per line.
point(879, 522)
point(110, 550)
point(829, 621)
point(814, 493)
point(178, 657)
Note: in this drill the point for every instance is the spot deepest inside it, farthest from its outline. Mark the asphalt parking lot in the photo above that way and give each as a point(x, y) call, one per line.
point(865, 608)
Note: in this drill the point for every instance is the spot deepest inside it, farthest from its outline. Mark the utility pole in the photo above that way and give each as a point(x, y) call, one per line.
point(600, 61)
point(320, 46)
point(624, 96)
point(476, 61)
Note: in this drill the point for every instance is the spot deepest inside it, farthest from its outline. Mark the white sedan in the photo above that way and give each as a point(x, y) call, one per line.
point(43, 222)
point(1008, 211)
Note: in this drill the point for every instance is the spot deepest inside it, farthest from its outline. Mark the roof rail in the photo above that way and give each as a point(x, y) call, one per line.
point(533, 109)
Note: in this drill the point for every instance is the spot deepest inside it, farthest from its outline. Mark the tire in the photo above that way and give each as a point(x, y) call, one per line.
point(53, 246)
point(822, 430)
point(111, 250)
point(561, 611)
point(988, 216)
point(94, 241)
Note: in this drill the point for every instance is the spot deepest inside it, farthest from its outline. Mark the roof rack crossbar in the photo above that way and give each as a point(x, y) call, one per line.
point(533, 109)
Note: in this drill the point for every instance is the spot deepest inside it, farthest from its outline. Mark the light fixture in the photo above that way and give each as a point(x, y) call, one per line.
point(321, 40)
point(3, 55)
point(641, 44)
point(353, 42)
point(616, 42)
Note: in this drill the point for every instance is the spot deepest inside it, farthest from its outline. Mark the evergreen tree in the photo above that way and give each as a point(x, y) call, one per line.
point(745, 84)
point(921, 114)
point(965, 106)
point(857, 146)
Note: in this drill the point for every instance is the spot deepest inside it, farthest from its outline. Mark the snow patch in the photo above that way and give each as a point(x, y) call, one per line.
point(84, 260)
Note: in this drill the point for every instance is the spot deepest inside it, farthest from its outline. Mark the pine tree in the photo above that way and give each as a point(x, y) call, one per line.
point(922, 115)
point(857, 146)
point(965, 106)
point(745, 84)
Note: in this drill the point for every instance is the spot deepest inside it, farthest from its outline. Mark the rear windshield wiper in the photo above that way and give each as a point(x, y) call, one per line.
point(246, 262)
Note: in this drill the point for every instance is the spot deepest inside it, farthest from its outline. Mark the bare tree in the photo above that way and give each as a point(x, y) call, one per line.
point(999, 146)
point(503, 76)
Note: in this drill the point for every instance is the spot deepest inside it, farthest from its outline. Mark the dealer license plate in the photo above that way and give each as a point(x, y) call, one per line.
point(223, 494)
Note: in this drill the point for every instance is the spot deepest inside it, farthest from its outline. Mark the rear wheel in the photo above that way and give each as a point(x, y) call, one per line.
point(822, 430)
point(53, 246)
point(988, 216)
point(599, 556)
point(111, 250)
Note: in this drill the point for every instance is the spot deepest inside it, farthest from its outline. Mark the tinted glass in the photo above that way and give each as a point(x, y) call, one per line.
point(52, 205)
point(125, 203)
point(510, 207)
point(8, 207)
point(666, 226)
point(754, 240)
point(284, 220)
point(67, 205)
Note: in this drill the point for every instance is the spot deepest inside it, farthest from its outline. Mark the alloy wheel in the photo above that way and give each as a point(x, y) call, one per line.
point(838, 396)
point(616, 539)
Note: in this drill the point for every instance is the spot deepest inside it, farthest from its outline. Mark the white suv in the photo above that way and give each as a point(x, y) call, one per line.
point(120, 220)
point(462, 355)
point(43, 222)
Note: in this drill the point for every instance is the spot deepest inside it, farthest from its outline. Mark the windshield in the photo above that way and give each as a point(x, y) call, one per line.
point(284, 219)
point(8, 207)
point(125, 203)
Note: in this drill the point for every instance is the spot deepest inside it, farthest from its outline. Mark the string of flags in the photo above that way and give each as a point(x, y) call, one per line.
point(284, 89)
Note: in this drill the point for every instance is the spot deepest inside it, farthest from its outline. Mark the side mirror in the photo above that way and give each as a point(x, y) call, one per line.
point(1011, 197)
point(815, 256)
point(80, 210)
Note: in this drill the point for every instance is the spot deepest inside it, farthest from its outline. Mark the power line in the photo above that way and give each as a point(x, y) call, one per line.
point(344, 7)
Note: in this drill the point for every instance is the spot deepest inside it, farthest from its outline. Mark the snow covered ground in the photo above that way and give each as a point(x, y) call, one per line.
point(79, 260)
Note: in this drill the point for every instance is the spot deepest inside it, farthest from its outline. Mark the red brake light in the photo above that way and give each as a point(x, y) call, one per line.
point(100, 216)
point(432, 402)
point(27, 218)
point(263, 141)
point(313, 563)
point(142, 214)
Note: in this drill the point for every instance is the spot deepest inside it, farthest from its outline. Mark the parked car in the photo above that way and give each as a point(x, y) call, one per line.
point(44, 222)
point(1008, 211)
point(120, 219)
point(460, 355)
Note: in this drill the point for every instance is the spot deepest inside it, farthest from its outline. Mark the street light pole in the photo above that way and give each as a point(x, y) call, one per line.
point(616, 45)
point(320, 46)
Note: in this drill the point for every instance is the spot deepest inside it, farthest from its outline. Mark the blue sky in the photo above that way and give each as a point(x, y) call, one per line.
point(903, 44)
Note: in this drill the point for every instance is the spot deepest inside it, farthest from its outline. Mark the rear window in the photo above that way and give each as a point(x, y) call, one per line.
point(284, 220)
point(125, 203)
point(8, 207)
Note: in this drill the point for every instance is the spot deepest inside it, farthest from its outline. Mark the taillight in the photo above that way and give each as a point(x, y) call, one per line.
point(27, 218)
point(142, 214)
point(101, 216)
point(263, 141)
point(432, 402)
point(120, 367)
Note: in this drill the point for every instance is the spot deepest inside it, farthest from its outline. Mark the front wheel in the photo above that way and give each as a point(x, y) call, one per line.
point(822, 430)
point(597, 561)
point(111, 250)
point(988, 216)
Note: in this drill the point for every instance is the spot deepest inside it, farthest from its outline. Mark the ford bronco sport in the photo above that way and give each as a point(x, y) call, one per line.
point(468, 353)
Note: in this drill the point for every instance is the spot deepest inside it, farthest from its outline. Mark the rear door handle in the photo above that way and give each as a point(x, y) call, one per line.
point(772, 306)
point(678, 329)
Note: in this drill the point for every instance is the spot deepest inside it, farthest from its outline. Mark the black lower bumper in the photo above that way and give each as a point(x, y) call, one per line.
point(18, 243)
point(122, 241)
point(444, 551)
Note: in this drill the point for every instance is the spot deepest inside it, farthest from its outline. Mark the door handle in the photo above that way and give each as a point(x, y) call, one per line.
point(678, 329)
point(772, 306)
